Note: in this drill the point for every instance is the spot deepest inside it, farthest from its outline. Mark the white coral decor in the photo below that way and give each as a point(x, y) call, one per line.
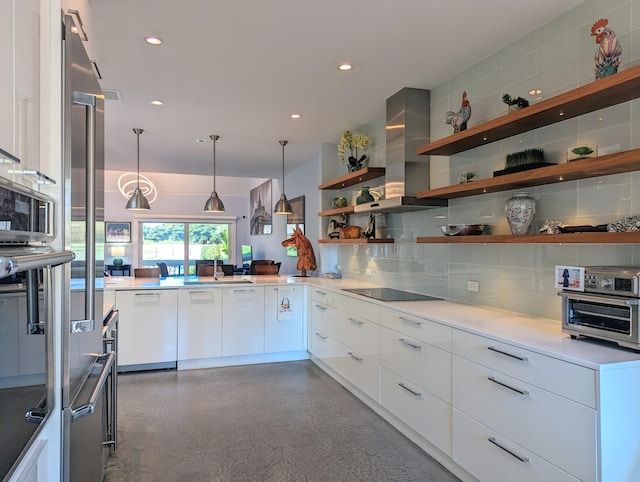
point(632, 223)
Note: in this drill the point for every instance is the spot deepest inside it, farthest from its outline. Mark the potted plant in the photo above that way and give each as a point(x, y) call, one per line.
point(349, 144)
point(516, 103)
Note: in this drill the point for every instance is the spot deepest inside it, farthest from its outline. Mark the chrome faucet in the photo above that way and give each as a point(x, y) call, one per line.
point(215, 268)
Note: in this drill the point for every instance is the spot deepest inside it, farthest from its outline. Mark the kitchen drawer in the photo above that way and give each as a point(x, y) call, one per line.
point(473, 450)
point(360, 371)
point(427, 415)
point(362, 310)
point(419, 362)
point(364, 336)
point(327, 349)
point(540, 370)
point(328, 319)
point(555, 428)
point(420, 328)
point(320, 295)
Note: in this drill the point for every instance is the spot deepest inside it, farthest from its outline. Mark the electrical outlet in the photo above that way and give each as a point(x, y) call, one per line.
point(473, 286)
point(368, 271)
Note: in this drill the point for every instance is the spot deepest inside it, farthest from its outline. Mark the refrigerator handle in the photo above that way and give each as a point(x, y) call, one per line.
point(90, 406)
point(90, 273)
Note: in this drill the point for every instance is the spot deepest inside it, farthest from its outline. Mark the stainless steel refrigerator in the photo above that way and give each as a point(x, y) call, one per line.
point(86, 370)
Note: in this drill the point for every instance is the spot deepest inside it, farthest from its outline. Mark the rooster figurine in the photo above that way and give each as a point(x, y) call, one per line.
point(459, 119)
point(607, 58)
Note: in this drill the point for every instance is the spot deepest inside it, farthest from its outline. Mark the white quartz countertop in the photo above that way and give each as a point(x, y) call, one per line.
point(541, 335)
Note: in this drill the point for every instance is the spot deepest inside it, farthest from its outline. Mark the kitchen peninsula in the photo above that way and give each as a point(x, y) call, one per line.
point(458, 380)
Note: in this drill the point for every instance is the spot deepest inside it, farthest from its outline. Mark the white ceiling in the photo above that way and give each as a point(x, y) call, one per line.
point(240, 68)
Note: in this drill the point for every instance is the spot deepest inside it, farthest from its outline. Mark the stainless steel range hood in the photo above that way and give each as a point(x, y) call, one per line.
point(406, 172)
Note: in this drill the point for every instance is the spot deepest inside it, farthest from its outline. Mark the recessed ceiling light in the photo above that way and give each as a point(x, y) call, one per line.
point(157, 102)
point(296, 116)
point(345, 66)
point(153, 40)
point(535, 92)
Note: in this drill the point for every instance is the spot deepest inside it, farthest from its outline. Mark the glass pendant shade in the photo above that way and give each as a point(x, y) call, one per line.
point(137, 201)
point(283, 206)
point(214, 204)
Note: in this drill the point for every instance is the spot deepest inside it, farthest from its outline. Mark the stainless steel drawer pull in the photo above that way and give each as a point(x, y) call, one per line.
point(521, 358)
point(412, 392)
point(519, 457)
point(355, 357)
point(320, 307)
point(356, 322)
point(411, 322)
point(408, 343)
point(502, 384)
point(322, 336)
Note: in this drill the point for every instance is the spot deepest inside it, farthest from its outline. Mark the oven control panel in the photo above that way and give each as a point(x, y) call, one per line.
point(625, 282)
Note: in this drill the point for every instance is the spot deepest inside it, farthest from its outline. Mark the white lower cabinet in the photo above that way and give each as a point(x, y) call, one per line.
point(9, 335)
point(490, 456)
point(284, 328)
point(326, 348)
point(242, 321)
point(426, 414)
point(199, 323)
point(419, 362)
point(148, 326)
point(555, 428)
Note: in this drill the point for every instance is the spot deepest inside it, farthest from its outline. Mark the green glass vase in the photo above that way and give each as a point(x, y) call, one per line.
point(365, 196)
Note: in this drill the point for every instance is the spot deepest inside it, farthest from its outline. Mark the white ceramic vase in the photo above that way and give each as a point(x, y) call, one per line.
point(520, 209)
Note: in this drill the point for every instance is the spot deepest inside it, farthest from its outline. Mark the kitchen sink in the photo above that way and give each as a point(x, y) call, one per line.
point(219, 281)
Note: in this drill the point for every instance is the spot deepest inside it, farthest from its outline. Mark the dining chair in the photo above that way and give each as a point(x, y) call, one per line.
point(267, 269)
point(164, 271)
point(205, 270)
point(258, 262)
point(146, 272)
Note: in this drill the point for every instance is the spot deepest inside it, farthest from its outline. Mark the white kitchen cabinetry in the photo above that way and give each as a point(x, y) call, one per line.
point(503, 405)
point(7, 119)
point(148, 327)
point(242, 321)
point(31, 343)
point(199, 323)
point(19, 83)
point(284, 319)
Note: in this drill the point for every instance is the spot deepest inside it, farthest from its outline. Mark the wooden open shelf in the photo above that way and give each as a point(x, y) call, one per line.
point(602, 93)
point(354, 178)
point(355, 241)
point(563, 238)
point(336, 211)
point(585, 168)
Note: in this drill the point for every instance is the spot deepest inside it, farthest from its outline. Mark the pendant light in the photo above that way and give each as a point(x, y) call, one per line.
point(283, 206)
point(214, 204)
point(137, 201)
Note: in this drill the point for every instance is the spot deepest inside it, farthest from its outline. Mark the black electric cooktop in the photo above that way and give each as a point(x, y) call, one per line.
point(390, 294)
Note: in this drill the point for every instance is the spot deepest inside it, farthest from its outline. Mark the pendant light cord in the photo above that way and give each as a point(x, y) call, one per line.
point(283, 143)
point(138, 132)
point(214, 138)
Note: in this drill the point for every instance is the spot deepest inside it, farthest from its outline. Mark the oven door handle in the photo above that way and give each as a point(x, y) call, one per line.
point(612, 300)
point(13, 264)
point(89, 407)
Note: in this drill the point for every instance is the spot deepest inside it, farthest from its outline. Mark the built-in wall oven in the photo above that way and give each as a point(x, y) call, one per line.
point(608, 307)
point(26, 316)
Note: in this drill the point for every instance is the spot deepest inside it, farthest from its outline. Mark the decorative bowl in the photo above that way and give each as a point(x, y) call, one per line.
point(462, 229)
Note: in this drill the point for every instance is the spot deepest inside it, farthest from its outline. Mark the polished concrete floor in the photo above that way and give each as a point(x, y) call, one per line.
point(271, 422)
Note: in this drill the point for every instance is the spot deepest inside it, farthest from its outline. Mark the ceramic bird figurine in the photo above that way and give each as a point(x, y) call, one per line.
point(608, 56)
point(459, 119)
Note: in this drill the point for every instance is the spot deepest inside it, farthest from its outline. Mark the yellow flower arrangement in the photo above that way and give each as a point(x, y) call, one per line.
point(351, 142)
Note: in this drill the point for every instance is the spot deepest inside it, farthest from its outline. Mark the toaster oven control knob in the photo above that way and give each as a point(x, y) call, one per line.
point(606, 283)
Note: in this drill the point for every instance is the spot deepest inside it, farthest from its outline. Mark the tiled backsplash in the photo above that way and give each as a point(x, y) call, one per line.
point(555, 58)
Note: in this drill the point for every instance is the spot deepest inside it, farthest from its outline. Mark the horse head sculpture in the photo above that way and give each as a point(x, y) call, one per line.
point(306, 256)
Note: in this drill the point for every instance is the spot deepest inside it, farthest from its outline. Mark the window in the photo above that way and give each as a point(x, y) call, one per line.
point(179, 245)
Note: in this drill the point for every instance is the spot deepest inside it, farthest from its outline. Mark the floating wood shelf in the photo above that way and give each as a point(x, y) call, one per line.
point(355, 241)
point(585, 168)
point(602, 93)
point(336, 211)
point(564, 238)
point(357, 177)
